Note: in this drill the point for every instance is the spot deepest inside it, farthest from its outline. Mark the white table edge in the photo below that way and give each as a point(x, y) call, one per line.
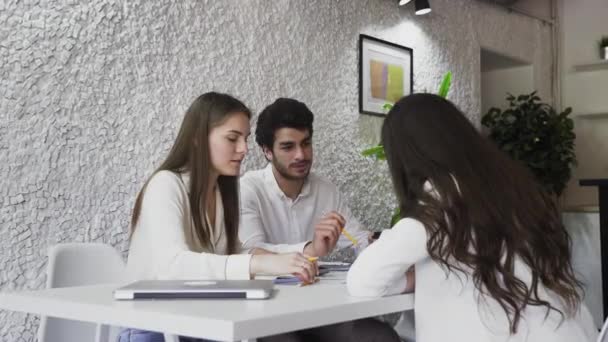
point(222, 329)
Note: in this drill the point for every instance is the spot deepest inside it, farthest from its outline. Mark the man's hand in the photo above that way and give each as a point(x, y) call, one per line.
point(372, 237)
point(327, 233)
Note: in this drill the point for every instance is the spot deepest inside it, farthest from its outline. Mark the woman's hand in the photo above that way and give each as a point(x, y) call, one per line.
point(410, 286)
point(287, 263)
point(257, 250)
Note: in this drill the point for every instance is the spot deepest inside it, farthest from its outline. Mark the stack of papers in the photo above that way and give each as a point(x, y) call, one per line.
point(292, 280)
point(326, 269)
point(287, 280)
point(334, 265)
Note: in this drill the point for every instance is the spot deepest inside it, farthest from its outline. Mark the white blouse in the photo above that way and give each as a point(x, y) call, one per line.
point(160, 248)
point(448, 307)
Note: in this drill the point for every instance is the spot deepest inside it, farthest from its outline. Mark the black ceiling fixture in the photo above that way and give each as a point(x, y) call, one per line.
point(422, 6)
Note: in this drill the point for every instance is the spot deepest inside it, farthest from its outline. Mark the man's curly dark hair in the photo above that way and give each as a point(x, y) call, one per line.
point(283, 112)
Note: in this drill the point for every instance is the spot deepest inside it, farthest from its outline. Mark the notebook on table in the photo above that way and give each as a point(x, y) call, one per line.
point(334, 266)
point(194, 289)
point(294, 280)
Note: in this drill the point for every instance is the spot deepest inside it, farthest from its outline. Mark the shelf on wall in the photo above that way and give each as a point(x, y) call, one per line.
point(581, 209)
point(601, 65)
point(600, 115)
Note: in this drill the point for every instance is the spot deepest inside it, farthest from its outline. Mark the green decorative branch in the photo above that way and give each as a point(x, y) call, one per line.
point(387, 106)
point(377, 151)
point(445, 85)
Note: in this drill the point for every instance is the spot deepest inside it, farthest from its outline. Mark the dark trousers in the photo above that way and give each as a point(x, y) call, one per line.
point(136, 335)
point(363, 330)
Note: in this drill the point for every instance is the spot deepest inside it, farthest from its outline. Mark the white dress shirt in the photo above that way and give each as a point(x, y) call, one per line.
point(275, 222)
point(160, 247)
point(448, 307)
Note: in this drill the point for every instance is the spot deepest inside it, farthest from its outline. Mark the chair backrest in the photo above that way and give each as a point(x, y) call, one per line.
point(79, 264)
point(603, 337)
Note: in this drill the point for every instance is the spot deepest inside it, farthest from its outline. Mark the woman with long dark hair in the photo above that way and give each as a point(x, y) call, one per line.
point(492, 258)
point(186, 217)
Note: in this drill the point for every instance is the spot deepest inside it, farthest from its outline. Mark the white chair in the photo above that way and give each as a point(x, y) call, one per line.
point(603, 337)
point(80, 264)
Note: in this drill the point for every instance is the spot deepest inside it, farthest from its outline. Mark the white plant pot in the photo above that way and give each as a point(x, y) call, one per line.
point(604, 52)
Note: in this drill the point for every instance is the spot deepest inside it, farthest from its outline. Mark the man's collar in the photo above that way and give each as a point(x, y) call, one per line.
point(306, 187)
point(272, 182)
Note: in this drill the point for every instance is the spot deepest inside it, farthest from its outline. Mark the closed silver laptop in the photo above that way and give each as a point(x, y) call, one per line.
point(193, 289)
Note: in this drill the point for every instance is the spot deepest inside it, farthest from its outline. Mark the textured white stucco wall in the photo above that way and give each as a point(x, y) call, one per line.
point(92, 93)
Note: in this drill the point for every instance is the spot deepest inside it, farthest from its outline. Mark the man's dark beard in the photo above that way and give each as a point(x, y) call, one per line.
point(283, 172)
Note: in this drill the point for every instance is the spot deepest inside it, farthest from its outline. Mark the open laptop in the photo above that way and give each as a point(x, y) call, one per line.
point(193, 289)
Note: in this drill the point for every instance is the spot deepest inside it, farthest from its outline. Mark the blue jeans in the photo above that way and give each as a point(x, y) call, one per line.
point(136, 335)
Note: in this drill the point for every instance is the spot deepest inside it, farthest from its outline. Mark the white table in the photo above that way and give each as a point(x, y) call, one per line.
point(291, 308)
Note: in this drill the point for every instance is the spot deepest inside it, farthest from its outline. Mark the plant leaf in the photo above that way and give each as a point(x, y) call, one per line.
point(396, 216)
point(445, 85)
point(533, 133)
point(375, 151)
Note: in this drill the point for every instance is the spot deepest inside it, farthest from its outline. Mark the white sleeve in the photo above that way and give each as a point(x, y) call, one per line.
point(353, 227)
point(380, 268)
point(159, 244)
point(251, 231)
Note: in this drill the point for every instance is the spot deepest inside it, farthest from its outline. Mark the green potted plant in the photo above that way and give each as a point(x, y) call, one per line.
point(377, 151)
point(604, 47)
point(535, 134)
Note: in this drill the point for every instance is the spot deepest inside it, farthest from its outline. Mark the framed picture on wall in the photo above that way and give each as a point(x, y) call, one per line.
point(385, 74)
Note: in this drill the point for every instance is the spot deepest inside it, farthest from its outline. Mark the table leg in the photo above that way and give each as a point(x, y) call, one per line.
point(171, 338)
point(102, 333)
point(603, 203)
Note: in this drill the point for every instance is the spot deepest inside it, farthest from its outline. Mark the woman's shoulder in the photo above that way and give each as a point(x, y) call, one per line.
point(165, 181)
point(165, 176)
point(408, 228)
point(409, 223)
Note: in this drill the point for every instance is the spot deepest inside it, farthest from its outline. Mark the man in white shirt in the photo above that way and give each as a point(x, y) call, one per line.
point(285, 207)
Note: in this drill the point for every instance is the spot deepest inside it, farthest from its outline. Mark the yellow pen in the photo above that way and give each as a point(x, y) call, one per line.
point(350, 237)
point(312, 259)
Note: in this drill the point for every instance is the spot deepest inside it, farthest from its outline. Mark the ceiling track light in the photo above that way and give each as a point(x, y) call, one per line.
point(422, 7)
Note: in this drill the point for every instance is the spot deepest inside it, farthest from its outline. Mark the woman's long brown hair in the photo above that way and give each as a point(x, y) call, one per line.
point(190, 153)
point(487, 212)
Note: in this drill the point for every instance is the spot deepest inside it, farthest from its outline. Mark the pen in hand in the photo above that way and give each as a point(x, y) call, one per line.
point(350, 237)
point(345, 232)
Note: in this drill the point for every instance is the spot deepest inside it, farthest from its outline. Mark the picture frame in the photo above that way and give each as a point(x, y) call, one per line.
point(386, 73)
